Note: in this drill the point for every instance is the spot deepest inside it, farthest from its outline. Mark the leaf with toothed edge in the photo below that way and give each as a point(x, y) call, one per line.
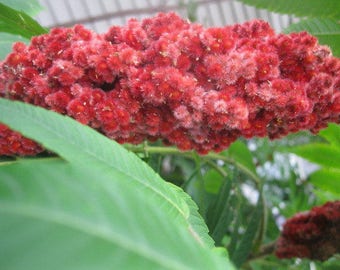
point(326, 30)
point(312, 8)
point(19, 23)
point(81, 146)
point(54, 214)
point(32, 7)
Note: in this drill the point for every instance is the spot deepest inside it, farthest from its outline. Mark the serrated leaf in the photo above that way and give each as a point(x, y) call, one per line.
point(6, 43)
point(31, 7)
point(327, 179)
point(57, 215)
point(301, 8)
point(332, 134)
point(18, 23)
point(326, 30)
point(82, 145)
point(322, 154)
point(245, 245)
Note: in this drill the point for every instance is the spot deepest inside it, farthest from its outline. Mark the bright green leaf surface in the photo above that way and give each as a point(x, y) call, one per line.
point(326, 30)
point(55, 215)
point(327, 179)
point(302, 8)
point(6, 43)
point(332, 134)
point(31, 7)
point(325, 196)
point(18, 23)
point(82, 145)
point(322, 154)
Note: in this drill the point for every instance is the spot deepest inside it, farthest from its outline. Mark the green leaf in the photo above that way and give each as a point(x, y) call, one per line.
point(241, 154)
point(245, 245)
point(301, 8)
point(322, 154)
point(18, 23)
point(220, 212)
point(331, 264)
point(326, 30)
point(212, 181)
point(325, 196)
point(332, 134)
point(82, 145)
point(235, 230)
point(221, 251)
point(6, 43)
point(242, 158)
point(57, 215)
point(327, 179)
point(31, 7)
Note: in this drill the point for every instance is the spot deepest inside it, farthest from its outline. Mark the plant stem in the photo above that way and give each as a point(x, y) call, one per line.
point(238, 165)
point(210, 159)
point(220, 170)
point(265, 250)
point(263, 225)
point(200, 182)
point(189, 154)
point(157, 150)
point(5, 163)
point(18, 159)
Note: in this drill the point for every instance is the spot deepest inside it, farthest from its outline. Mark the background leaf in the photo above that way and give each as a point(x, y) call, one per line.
point(6, 43)
point(54, 215)
point(326, 30)
point(18, 23)
point(312, 8)
point(241, 154)
point(245, 244)
point(327, 179)
point(220, 212)
point(31, 7)
point(332, 134)
point(82, 145)
point(212, 181)
point(322, 154)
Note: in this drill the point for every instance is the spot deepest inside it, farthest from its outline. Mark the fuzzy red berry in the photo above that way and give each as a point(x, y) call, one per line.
point(314, 234)
point(166, 78)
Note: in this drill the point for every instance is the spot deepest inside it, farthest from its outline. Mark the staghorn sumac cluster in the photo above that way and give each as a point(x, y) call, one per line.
point(314, 234)
point(166, 78)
